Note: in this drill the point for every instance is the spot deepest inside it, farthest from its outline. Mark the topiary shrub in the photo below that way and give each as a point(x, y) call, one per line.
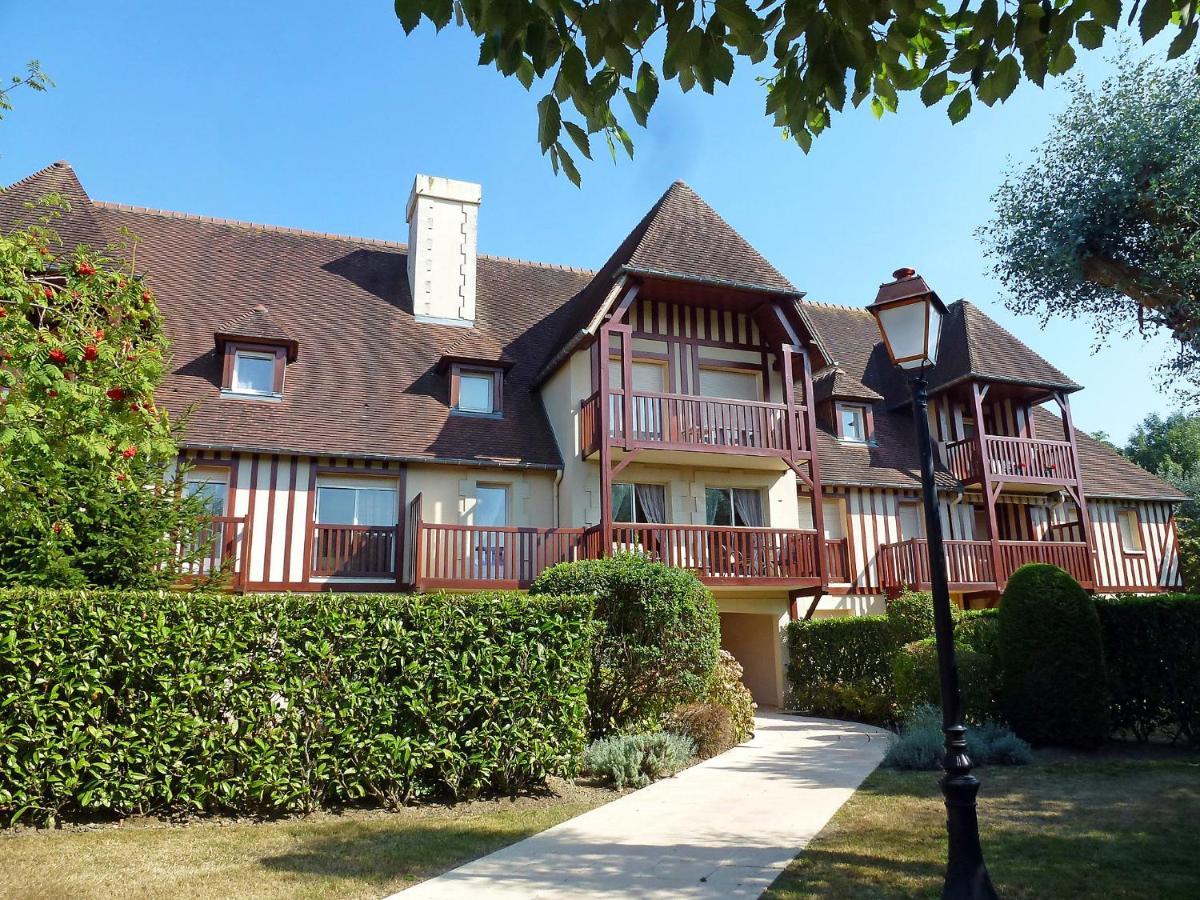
point(726, 689)
point(979, 629)
point(917, 680)
point(709, 726)
point(637, 759)
point(911, 616)
point(1052, 659)
point(659, 638)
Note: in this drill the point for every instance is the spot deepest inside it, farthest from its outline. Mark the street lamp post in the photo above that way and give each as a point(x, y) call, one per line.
point(909, 315)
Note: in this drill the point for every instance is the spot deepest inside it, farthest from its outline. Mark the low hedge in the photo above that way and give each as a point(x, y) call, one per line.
point(842, 667)
point(135, 702)
point(1152, 650)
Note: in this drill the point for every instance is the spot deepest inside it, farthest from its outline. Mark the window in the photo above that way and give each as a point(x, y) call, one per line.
point(833, 514)
point(734, 506)
point(912, 522)
point(639, 503)
point(852, 423)
point(353, 505)
point(475, 391)
point(210, 487)
point(1131, 531)
point(253, 372)
point(491, 505)
point(728, 384)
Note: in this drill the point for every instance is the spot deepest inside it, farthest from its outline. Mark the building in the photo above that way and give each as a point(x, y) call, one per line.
point(368, 415)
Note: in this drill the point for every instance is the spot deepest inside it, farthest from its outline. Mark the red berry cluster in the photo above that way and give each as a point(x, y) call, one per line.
point(85, 269)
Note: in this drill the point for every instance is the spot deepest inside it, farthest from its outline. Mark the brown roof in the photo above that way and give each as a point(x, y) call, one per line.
point(257, 325)
point(832, 382)
point(79, 225)
point(973, 346)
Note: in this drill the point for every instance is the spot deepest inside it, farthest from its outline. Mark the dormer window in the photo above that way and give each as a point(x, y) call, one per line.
point(476, 391)
point(255, 353)
point(853, 423)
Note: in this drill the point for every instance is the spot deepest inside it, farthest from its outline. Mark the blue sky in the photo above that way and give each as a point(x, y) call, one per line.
point(317, 114)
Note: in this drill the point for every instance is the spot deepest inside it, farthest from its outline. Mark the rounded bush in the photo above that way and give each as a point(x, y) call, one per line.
point(1052, 659)
point(726, 689)
point(917, 679)
point(709, 726)
point(659, 638)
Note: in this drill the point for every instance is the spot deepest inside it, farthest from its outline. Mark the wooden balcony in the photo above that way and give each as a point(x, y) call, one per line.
point(970, 566)
point(354, 551)
point(217, 552)
point(1010, 459)
point(683, 422)
point(470, 556)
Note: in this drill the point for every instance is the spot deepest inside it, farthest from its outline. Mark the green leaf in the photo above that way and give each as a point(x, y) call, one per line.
point(1063, 60)
point(1155, 16)
point(1183, 41)
point(1106, 12)
point(935, 89)
point(549, 122)
point(635, 107)
point(409, 14)
point(579, 136)
point(647, 86)
point(1090, 34)
point(569, 170)
point(959, 106)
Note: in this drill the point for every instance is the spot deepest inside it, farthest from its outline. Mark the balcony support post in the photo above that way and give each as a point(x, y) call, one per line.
point(814, 470)
point(978, 392)
point(605, 445)
point(966, 873)
point(1085, 522)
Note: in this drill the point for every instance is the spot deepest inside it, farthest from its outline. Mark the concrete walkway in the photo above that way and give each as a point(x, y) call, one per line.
point(724, 828)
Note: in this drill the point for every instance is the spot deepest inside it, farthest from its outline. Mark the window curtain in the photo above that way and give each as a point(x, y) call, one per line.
point(748, 506)
point(652, 500)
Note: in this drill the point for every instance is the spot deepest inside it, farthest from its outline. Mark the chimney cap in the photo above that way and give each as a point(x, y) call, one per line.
point(904, 272)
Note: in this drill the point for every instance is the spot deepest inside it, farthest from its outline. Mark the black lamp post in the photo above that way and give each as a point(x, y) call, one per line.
point(909, 315)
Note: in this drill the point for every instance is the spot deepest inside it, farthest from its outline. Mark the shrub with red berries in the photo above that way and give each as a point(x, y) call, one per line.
point(82, 346)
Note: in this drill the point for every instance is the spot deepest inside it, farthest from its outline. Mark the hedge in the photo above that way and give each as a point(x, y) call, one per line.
point(1152, 648)
point(136, 702)
point(842, 667)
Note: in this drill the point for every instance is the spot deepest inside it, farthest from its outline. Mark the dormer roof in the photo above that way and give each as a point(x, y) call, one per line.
point(257, 326)
point(832, 383)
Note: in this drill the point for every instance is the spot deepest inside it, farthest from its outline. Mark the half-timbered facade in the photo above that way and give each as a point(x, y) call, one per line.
point(375, 415)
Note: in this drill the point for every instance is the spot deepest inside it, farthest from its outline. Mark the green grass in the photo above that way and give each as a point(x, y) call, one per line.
point(360, 853)
point(1118, 824)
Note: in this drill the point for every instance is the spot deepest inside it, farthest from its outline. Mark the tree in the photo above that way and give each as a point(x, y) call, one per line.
point(85, 455)
point(1105, 221)
point(821, 54)
point(34, 79)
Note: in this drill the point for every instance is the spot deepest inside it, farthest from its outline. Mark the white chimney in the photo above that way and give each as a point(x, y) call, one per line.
point(443, 221)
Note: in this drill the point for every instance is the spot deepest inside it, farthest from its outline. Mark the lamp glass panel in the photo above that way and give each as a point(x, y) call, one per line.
point(904, 326)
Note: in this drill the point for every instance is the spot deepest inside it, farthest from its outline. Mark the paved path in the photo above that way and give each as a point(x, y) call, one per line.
point(724, 828)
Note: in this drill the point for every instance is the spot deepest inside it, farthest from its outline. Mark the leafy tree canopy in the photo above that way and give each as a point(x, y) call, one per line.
point(817, 55)
point(1104, 222)
point(1170, 448)
point(84, 453)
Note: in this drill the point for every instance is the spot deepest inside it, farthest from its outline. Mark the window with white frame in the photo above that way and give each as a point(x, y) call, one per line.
point(1131, 531)
point(253, 373)
point(912, 521)
point(210, 486)
point(852, 423)
point(351, 504)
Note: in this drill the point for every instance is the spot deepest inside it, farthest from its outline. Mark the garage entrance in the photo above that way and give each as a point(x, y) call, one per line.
point(753, 639)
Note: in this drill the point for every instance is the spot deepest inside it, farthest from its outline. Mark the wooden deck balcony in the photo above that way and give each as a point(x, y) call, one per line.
point(684, 422)
point(469, 556)
point(1011, 459)
point(217, 552)
point(970, 566)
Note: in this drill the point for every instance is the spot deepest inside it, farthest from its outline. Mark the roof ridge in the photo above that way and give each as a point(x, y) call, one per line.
point(825, 304)
point(306, 232)
point(59, 164)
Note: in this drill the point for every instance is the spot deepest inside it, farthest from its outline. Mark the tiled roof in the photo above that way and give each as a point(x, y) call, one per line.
point(832, 382)
point(79, 225)
point(973, 346)
point(257, 325)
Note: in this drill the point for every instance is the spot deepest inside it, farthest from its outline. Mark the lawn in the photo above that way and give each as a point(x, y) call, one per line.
point(359, 853)
point(1115, 824)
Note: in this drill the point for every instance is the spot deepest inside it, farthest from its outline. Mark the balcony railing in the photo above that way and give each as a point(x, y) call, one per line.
point(837, 556)
point(462, 556)
point(682, 422)
point(216, 552)
point(354, 551)
point(969, 564)
point(1012, 459)
point(722, 554)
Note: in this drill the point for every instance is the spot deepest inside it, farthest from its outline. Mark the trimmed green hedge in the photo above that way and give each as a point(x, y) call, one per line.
point(116, 702)
point(842, 667)
point(1152, 648)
